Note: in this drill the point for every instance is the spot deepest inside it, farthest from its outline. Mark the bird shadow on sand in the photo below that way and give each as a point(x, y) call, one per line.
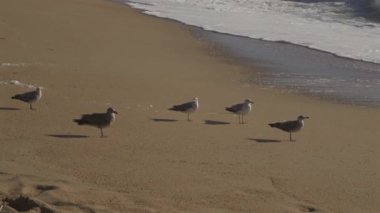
point(9, 108)
point(263, 140)
point(66, 136)
point(163, 120)
point(213, 122)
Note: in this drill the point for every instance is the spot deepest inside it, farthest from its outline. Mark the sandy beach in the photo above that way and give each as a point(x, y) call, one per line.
point(89, 55)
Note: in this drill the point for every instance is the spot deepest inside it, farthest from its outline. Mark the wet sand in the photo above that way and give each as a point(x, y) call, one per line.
point(89, 55)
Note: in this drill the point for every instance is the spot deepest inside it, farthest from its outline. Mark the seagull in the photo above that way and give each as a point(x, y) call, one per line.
point(29, 97)
point(188, 107)
point(99, 120)
point(241, 109)
point(290, 126)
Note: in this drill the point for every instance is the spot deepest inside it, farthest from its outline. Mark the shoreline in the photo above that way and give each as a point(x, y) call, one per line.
point(142, 11)
point(254, 66)
point(300, 89)
point(153, 160)
point(145, 12)
point(226, 49)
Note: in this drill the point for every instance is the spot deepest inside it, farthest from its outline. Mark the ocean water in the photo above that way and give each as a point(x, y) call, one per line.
point(285, 36)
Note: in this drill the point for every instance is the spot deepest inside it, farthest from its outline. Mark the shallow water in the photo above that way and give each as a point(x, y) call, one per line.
point(303, 70)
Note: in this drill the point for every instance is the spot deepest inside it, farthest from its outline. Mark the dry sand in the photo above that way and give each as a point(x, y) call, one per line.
point(91, 54)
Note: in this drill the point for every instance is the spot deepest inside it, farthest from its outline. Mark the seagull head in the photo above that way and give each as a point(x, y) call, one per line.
point(301, 117)
point(110, 110)
point(195, 99)
point(248, 101)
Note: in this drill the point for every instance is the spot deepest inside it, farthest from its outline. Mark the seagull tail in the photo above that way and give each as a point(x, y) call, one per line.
point(174, 108)
point(229, 109)
point(16, 97)
point(274, 124)
point(79, 121)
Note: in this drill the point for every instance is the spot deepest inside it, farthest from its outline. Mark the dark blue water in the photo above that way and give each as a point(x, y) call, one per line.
point(368, 9)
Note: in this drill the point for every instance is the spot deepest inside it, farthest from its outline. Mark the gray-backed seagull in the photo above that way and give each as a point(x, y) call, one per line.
point(290, 126)
point(29, 97)
point(188, 108)
point(99, 120)
point(241, 109)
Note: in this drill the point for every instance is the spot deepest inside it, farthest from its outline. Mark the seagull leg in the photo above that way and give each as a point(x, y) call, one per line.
point(290, 134)
point(188, 116)
point(242, 119)
point(30, 106)
point(101, 133)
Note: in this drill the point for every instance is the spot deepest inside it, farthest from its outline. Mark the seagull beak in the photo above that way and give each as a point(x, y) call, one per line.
point(115, 112)
point(306, 117)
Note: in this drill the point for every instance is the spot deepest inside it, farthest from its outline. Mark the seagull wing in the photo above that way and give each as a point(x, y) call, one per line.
point(26, 97)
point(288, 126)
point(182, 107)
point(95, 119)
point(235, 108)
